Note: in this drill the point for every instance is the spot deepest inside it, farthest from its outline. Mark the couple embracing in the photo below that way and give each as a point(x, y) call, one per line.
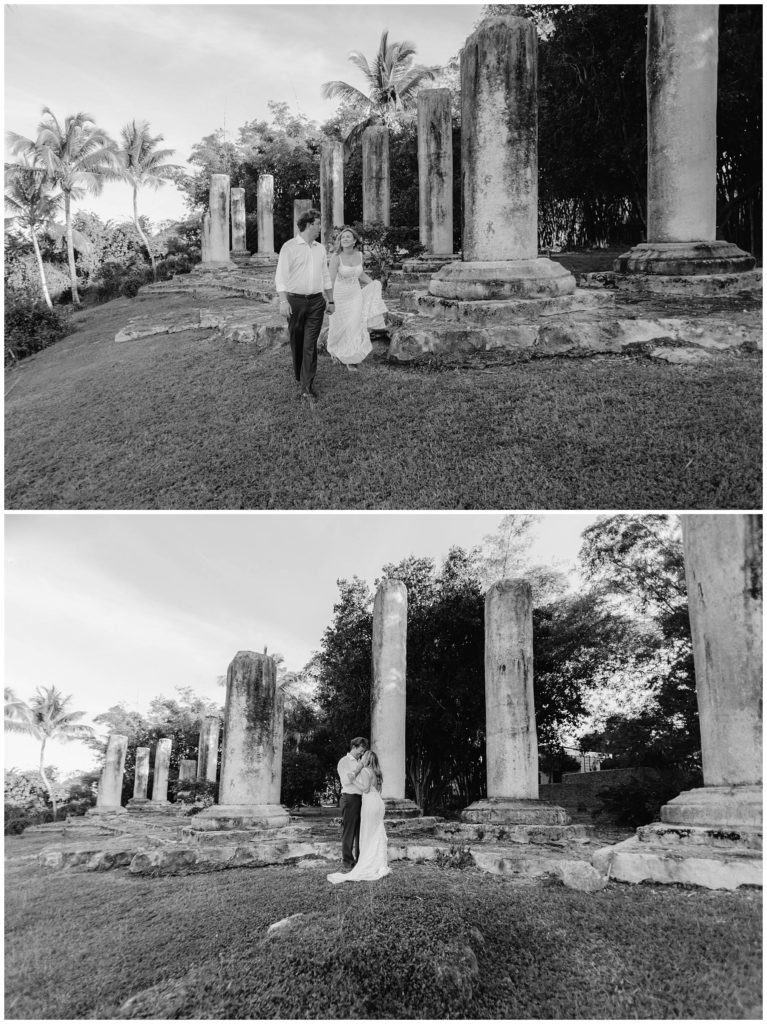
point(363, 838)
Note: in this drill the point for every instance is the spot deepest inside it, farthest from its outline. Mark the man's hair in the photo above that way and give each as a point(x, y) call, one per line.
point(359, 741)
point(307, 217)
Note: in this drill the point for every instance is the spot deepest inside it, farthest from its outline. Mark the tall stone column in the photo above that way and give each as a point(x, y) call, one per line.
point(682, 56)
point(207, 749)
point(331, 189)
point(279, 735)
point(266, 256)
point(375, 175)
point(299, 206)
point(216, 224)
point(239, 244)
point(161, 769)
point(109, 799)
point(388, 695)
point(141, 778)
point(499, 155)
point(435, 172)
point(246, 788)
point(512, 742)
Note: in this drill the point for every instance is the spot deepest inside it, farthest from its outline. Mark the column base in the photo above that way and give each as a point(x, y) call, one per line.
point(684, 259)
point(202, 268)
point(235, 816)
point(240, 256)
point(511, 811)
point(106, 809)
point(429, 263)
point(263, 259)
point(401, 808)
point(502, 279)
point(728, 807)
point(138, 801)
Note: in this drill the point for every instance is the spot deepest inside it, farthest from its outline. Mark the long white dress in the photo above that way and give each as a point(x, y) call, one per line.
point(357, 310)
point(373, 861)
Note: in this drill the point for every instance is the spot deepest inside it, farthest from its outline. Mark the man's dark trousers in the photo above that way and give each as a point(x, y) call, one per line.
point(306, 315)
point(351, 808)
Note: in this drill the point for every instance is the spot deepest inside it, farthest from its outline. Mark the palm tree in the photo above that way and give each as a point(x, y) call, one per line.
point(393, 83)
point(143, 166)
point(77, 156)
point(46, 717)
point(32, 206)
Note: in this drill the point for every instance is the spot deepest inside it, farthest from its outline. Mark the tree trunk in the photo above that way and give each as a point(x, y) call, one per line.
point(144, 239)
point(71, 251)
point(39, 258)
point(44, 777)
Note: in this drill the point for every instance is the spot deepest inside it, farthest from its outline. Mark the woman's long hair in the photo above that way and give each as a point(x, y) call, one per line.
point(375, 768)
point(357, 240)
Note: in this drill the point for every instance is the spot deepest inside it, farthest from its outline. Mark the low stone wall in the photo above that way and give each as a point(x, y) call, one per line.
point(577, 792)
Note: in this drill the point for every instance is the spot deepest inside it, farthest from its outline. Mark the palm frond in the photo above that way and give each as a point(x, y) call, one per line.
point(344, 92)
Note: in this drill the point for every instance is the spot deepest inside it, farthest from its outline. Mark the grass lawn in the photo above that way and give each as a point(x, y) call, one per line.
point(422, 943)
point(189, 422)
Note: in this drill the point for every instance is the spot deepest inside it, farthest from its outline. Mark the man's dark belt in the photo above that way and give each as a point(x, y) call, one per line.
point(300, 295)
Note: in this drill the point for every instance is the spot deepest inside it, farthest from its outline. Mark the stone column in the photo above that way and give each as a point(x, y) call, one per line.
point(239, 244)
point(141, 778)
point(266, 256)
point(499, 155)
point(247, 768)
point(723, 566)
point(388, 694)
point(375, 175)
point(435, 172)
point(300, 206)
point(207, 749)
point(279, 735)
point(161, 768)
point(109, 799)
point(682, 55)
point(216, 224)
point(331, 189)
point(512, 742)
point(187, 770)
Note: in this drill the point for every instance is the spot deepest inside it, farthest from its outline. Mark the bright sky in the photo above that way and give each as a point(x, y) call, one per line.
point(124, 607)
point(192, 69)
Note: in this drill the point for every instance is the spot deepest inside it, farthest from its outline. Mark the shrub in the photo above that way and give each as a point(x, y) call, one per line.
point(197, 793)
point(303, 778)
point(639, 801)
point(30, 326)
point(386, 247)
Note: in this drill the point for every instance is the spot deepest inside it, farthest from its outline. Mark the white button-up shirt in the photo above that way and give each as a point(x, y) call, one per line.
point(346, 767)
point(302, 268)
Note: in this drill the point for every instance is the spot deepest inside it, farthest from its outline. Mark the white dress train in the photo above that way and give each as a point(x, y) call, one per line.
point(357, 310)
point(373, 861)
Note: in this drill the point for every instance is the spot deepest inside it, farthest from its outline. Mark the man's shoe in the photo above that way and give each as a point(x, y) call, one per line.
point(312, 392)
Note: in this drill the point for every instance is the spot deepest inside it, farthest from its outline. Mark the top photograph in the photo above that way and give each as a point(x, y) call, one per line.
point(373, 256)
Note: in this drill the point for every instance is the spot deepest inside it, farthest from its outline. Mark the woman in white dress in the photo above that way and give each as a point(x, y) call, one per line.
point(358, 304)
point(373, 860)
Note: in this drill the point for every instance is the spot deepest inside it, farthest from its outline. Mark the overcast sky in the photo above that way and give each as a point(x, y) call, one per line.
point(190, 69)
point(124, 607)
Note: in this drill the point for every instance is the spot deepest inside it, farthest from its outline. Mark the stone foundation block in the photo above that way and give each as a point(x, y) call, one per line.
point(694, 286)
point(576, 874)
point(722, 837)
point(507, 811)
point(512, 310)
point(517, 834)
point(635, 861)
point(241, 816)
point(685, 259)
point(502, 279)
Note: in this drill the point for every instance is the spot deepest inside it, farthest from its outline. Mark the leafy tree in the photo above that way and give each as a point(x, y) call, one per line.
point(144, 166)
point(392, 81)
point(77, 157)
point(46, 717)
point(32, 207)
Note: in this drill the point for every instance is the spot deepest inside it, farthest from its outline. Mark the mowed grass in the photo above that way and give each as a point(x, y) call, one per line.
point(423, 943)
point(187, 421)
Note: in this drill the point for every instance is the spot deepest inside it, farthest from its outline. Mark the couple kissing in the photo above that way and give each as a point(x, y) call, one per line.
point(363, 836)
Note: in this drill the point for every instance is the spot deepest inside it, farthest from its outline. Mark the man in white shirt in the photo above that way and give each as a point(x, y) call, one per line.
point(351, 800)
point(301, 278)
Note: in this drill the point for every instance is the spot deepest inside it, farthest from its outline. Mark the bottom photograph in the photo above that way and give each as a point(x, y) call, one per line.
point(383, 766)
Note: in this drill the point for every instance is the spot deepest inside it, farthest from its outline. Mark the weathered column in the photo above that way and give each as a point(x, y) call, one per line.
point(435, 172)
point(375, 175)
point(682, 55)
point(109, 799)
point(247, 768)
point(331, 189)
point(511, 739)
point(239, 244)
point(279, 735)
point(712, 836)
point(499, 155)
point(161, 769)
point(300, 206)
point(388, 695)
point(141, 778)
point(187, 770)
point(266, 256)
point(215, 227)
point(207, 749)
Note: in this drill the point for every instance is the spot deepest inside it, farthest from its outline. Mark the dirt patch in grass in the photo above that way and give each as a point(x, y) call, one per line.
point(422, 943)
point(188, 421)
